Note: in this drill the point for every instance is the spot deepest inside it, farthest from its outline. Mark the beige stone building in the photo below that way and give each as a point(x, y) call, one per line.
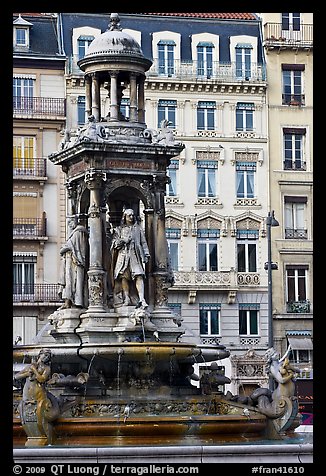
point(38, 196)
point(288, 45)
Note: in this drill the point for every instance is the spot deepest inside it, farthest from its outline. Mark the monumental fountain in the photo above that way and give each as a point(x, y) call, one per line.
point(116, 369)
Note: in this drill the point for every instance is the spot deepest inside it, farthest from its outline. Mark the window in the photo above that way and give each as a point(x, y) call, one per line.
point(81, 105)
point(166, 110)
point(292, 84)
point(247, 251)
point(125, 107)
point(24, 154)
point(23, 92)
point(23, 275)
point(21, 37)
point(26, 328)
point(244, 116)
point(290, 22)
point(165, 49)
point(245, 176)
point(294, 213)
point(205, 59)
point(209, 317)
point(83, 43)
point(293, 144)
point(206, 115)
point(248, 319)
point(296, 279)
point(173, 236)
point(206, 178)
point(243, 60)
point(207, 252)
point(172, 171)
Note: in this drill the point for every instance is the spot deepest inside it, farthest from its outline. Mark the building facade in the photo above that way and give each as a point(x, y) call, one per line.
point(288, 45)
point(208, 81)
point(38, 197)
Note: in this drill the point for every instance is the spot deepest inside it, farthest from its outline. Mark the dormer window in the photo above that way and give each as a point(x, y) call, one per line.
point(21, 33)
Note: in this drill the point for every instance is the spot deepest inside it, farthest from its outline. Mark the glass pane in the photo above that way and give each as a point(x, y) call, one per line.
point(291, 287)
point(241, 258)
point(214, 322)
point(250, 184)
point(201, 183)
point(203, 322)
point(239, 120)
point(253, 322)
point(174, 252)
point(242, 322)
point(240, 184)
point(212, 257)
point(252, 257)
point(302, 296)
point(202, 264)
point(211, 183)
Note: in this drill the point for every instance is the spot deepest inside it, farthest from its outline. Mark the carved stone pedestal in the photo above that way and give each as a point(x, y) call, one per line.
point(65, 323)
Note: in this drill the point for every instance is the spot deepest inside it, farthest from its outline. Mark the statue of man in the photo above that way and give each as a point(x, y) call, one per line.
point(73, 278)
point(130, 254)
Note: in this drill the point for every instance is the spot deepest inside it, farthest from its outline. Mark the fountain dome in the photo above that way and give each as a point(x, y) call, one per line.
point(114, 43)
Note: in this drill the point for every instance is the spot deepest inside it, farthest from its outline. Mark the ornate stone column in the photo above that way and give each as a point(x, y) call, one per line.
point(133, 98)
point(96, 274)
point(114, 96)
point(88, 95)
point(96, 106)
point(141, 99)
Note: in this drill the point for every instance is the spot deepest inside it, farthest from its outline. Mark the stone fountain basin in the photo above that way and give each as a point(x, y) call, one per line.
point(126, 352)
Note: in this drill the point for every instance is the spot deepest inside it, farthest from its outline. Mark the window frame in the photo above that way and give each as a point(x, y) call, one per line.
point(209, 309)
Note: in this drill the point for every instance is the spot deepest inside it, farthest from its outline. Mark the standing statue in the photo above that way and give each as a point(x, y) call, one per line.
point(73, 280)
point(130, 253)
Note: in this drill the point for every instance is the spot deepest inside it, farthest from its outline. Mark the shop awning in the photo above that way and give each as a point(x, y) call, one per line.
point(300, 343)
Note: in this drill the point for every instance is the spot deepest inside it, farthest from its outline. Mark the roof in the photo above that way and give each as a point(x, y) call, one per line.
point(223, 16)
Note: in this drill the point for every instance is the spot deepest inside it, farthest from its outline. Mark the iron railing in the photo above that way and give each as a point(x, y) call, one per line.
point(275, 35)
point(31, 167)
point(36, 293)
point(29, 227)
point(193, 70)
point(296, 233)
point(39, 106)
point(298, 307)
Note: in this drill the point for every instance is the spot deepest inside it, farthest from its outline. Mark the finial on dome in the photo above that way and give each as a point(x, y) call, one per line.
point(114, 22)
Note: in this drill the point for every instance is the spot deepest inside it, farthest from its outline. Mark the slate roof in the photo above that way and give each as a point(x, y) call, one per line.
point(43, 36)
point(221, 16)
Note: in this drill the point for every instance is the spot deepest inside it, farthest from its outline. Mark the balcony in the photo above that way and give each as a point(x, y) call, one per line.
point(192, 71)
point(293, 99)
point(211, 280)
point(36, 293)
point(29, 228)
point(276, 37)
point(298, 307)
point(39, 108)
point(294, 165)
point(32, 168)
point(296, 234)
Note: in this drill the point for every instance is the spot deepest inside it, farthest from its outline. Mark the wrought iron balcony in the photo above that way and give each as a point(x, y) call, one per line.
point(39, 107)
point(275, 36)
point(29, 227)
point(31, 167)
point(192, 70)
point(293, 99)
point(36, 293)
point(298, 307)
point(296, 233)
point(294, 165)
